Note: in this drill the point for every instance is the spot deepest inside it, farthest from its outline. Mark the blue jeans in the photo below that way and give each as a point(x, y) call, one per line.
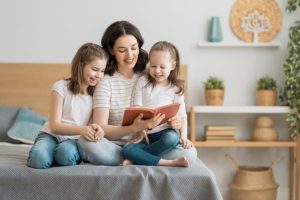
point(47, 150)
point(105, 152)
point(150, 154)
point(102, 152)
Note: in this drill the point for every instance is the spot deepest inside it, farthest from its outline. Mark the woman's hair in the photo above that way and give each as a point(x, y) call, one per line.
point(84, 55)
point(173, 77)
point(111, 34)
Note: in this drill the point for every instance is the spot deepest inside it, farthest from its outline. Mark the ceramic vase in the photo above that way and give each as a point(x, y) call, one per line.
point(215, 31)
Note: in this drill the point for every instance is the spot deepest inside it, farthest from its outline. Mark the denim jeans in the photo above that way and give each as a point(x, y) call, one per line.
point(47, 151)
point(150, 154)
point(105, 152)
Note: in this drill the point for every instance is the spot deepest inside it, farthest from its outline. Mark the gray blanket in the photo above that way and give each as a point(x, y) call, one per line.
point(17, 181)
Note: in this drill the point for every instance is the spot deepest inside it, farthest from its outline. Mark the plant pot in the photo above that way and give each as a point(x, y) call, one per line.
point(264, 134)
point(266, 97)
point(214, 97)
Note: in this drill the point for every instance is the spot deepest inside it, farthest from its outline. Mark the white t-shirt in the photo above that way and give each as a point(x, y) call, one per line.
point(77, 109)
point(152, 97)
point(115, 92)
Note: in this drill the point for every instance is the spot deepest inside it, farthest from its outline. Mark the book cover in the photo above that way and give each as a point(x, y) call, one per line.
point(131, 113)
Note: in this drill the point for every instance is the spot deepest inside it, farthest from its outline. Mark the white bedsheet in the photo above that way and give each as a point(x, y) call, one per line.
point(13, 153)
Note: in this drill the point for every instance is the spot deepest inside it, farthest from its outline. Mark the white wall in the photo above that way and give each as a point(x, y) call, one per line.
point(51, 31)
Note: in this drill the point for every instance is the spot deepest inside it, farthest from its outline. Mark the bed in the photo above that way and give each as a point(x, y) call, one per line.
point(29, 85)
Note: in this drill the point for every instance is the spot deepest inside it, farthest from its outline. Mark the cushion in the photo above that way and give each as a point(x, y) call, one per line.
point(27, 126)
point(7, 118)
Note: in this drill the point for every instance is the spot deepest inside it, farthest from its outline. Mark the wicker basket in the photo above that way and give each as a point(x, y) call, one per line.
point(253, 183)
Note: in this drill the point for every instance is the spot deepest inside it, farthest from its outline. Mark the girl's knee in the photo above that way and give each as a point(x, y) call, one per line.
point(67, 154)
point(170, 138)
point(39, 160)
point(67, 158)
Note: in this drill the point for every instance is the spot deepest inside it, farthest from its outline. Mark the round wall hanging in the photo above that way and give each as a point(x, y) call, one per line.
point(255, 20)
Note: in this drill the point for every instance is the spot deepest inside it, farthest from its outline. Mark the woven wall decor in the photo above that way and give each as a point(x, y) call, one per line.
point(255, 17)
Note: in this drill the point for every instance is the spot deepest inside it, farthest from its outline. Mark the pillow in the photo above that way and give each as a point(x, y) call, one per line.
point(27, 126)
point(7, 118)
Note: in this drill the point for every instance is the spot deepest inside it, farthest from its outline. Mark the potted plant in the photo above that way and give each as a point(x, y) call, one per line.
point(214, 91)
point(266, 91)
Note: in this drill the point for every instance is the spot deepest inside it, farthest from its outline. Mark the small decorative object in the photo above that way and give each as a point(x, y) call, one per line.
point(264, 130)
point(256, 23)
point(215, 31)
point(255, 20)
point(266, 91)
point(214, 91)
point(253, 182)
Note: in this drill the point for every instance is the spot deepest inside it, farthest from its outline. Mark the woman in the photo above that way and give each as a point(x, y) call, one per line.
point(127, 62)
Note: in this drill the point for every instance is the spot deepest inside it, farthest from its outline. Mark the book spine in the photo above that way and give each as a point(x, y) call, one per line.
point(220, 133)
point(219, 138)
point(219, 128)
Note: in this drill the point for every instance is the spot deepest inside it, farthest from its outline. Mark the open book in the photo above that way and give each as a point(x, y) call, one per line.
point(131, 113)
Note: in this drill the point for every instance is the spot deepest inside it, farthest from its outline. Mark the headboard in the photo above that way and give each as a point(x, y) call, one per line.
point(29, 84)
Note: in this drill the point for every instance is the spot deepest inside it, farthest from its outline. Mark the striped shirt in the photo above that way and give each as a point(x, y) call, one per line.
point(114, 92)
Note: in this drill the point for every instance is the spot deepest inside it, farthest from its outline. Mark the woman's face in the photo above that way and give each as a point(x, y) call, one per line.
point(126, 51)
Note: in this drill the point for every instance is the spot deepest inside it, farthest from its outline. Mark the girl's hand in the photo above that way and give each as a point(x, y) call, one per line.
point(92, 132)
point(99, 133)
point(186, 143)
point(175, 122)
point(139, 124)
point(139, 136)
point(88, 133)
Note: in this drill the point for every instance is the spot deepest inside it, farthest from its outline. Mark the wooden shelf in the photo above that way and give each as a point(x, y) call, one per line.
point(237, 44)
point(244, 144)
point(242, 109)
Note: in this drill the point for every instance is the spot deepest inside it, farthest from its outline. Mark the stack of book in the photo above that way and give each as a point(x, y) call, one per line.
point(220, 132)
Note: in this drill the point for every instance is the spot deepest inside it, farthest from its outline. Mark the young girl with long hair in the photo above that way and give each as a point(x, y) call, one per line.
point(70, 111)
point(159, 87)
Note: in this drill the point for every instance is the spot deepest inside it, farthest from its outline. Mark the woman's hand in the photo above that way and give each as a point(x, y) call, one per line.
point(92, 132)
point(175, 122)
point(186, 143)
point(139, 124)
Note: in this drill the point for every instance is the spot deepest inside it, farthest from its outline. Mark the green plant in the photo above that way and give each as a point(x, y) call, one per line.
point(292, 5)
point(214, 82)
point(291, 91)
point(266, 83)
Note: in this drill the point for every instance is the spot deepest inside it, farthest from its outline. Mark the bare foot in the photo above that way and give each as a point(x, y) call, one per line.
point(181, 162)
point(126, 162)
